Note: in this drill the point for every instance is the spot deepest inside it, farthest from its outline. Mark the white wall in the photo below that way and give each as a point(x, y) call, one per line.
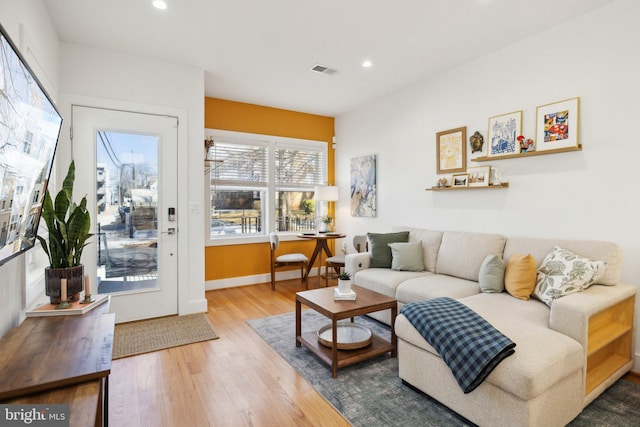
point(28, 25)
point(109, 79)
point(589, 194)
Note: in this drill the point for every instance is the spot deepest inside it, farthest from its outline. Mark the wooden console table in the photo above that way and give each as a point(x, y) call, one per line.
point(60, 359)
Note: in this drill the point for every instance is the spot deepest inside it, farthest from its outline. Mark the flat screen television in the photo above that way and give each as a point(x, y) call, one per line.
point(30, 126)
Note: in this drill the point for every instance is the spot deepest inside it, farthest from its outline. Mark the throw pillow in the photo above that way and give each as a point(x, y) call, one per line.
point(380, 250)
point(406, 256)
point(491, 276)
point(562, 273)
point(520, 276)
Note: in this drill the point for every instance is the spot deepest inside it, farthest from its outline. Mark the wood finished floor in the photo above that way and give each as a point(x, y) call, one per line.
point(236, 380)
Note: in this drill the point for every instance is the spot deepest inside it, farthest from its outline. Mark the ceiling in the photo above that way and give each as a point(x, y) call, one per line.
point(260, 51)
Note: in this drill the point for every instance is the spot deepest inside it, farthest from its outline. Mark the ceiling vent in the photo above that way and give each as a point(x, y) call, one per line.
point(323, 69)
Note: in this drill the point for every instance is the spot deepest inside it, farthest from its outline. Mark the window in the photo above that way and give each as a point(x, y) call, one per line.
point(259, 184)
point(26, 144)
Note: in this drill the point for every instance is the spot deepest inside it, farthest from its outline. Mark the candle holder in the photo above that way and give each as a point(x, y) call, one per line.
point(63, 305)
point(88, 299)
point(87, 291)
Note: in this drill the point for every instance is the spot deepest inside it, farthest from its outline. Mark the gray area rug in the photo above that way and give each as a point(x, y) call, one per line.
point(371, 394)
point(145, 336)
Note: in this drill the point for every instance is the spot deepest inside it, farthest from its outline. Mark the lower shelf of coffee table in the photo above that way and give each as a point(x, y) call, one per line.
point(377, 347)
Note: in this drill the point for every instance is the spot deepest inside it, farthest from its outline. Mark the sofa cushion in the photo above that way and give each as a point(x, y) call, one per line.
point(543, 357)
point(406, 256)
point(562, 273)
point(384, 280)
point(379, 247)
point(461, 253)
point(608, 252)
point(520, 276)
point(434, 286)
point(491, 275)
point(431, 241)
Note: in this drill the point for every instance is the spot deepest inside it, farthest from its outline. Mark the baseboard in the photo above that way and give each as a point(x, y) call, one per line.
point(197, 306)
point(233, 282)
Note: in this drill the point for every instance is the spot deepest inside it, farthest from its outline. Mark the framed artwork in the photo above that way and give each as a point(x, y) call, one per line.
point(503, 131)
point(363, 186)
point(557, 125)
point(460, 180)
point(451, 150)
point(479, 176)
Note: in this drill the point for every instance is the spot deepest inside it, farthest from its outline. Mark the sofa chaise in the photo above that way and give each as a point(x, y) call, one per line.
point(568, 350)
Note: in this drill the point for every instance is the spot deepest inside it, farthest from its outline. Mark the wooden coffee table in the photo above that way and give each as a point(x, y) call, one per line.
point(367, 301)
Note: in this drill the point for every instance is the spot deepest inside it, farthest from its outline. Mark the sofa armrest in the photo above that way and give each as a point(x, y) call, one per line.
point(356, 262)
point(570, 314)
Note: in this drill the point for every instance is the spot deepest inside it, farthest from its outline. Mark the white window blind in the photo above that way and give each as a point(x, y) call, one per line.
point(238, 164)
point(298, 167)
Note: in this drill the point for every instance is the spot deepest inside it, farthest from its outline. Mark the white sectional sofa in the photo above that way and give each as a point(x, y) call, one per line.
point(565, 355)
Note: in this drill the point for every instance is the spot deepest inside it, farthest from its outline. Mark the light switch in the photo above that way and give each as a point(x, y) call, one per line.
point(194, 207)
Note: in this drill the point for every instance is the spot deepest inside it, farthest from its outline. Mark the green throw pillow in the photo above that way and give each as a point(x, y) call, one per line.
point(380, 250)
point(491, 276)
point(406, 256)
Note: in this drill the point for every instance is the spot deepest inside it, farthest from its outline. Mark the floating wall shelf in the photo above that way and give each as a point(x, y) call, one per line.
point(529, 154)
point(490, 187)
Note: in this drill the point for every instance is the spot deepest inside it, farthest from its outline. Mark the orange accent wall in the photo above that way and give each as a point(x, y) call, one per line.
point(223, 262)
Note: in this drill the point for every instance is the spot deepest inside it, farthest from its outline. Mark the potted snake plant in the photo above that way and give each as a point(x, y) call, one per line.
point(67, 225)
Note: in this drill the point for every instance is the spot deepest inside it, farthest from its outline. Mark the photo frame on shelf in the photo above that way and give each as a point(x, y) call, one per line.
point(451, 150)
point(479, 176)
point(503, 131)
point(557, 125)
point(459, 180)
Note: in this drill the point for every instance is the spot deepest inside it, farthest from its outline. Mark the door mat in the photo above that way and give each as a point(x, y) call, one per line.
point(145, 336)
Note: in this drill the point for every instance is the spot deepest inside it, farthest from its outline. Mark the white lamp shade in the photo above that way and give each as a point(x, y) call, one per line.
point(326, 193)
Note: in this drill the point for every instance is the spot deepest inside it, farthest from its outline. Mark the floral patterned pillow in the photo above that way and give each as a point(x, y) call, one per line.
point(562, 273)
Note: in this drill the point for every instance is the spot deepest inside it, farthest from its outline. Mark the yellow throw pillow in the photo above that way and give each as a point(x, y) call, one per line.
point(520, 276)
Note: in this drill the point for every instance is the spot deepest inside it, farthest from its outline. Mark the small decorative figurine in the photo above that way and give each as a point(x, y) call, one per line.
point(496, 176)
point(476, 141)
point(442, 182)
point(526, 144)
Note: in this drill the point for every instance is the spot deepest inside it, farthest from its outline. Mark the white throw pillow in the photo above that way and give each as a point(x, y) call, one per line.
point(406, 256)
point(562, 273)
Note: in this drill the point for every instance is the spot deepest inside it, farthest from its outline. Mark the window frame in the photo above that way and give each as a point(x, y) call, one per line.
point(272, 143)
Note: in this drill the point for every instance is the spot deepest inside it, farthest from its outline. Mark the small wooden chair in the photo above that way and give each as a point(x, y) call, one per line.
point(337, 261)
point(285, 260)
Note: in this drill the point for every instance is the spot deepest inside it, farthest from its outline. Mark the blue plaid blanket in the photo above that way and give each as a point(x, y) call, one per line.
point(468, 344)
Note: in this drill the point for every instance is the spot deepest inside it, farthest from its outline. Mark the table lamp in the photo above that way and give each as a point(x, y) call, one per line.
point(326, 193)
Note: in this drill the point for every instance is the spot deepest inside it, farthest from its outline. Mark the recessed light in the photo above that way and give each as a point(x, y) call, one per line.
point(159, 4)
point(367, 64)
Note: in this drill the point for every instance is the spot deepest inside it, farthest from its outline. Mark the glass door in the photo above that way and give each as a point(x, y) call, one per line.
point(131, 183)
point(127, 211)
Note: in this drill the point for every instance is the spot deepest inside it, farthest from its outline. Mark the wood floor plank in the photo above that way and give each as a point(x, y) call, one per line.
point(236, 380)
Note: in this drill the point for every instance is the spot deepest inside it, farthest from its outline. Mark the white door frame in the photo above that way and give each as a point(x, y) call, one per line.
point(187, 303)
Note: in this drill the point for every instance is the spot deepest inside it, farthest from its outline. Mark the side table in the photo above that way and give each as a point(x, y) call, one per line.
point(321, 246)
